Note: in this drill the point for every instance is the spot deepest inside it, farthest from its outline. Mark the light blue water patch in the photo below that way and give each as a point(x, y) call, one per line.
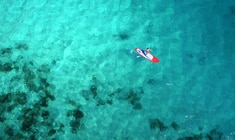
point(69, 70)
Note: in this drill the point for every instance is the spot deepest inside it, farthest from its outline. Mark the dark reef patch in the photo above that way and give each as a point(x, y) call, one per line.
point(121, 36)
point(137, 106)
point(22, 46)
point(131, 96)
point(45, 114)
point(29, 118)
point(193, 137)
point(10, 107)
point(32, 137)
point(20, 98)
point(51, 132)
point(157, 124)
point(134, 99)
point(149, 28)
point(202, 60)
point(9, 131)
point(189, 55)
point(175, 126)
point(6, 67)
point(44, 102)
point(200, 128)
point(150, 81)
point(75, 116)
point(6, 51)
point(74, 124)
point(232, 9)
point(30, 78)
point(44, 83)
point(6, 98)
point(100, 102)
point(214, 134)
point(72, 102)
point(93, 90)
point(33, 115)
point(2, 118)
point(110, 101)
point(61, 128)
point(188, 58)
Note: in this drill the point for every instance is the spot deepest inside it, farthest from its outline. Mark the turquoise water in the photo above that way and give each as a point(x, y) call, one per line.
point(68, 70)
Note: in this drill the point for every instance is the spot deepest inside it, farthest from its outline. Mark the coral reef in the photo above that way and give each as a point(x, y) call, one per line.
point(157, 124)
point(175, 126)
point(35, 80)
point(121, 36)
point(134, 99)
point(214, 134)
point(35, 115)
point(76, 115)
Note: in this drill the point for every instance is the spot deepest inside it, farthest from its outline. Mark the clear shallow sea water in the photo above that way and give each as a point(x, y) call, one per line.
point(68, 70)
